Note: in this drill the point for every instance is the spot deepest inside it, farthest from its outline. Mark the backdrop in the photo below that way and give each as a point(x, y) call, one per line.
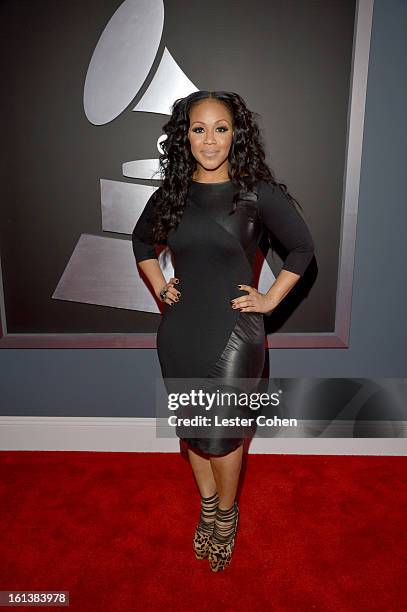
point(68, 208)
point(120, 382)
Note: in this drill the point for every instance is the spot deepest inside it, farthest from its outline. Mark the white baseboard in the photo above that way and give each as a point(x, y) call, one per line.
point(139, 435)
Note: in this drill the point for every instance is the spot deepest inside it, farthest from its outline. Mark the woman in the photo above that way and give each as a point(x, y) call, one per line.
point(216, 199)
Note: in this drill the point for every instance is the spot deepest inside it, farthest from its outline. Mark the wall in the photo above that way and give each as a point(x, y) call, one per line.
point(121, 382)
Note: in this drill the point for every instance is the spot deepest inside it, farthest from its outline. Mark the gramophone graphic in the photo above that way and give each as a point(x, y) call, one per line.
point(102, 269)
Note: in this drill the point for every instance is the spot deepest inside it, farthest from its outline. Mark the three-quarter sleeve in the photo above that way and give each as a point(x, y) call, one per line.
point(142, 235)
point(284, 222)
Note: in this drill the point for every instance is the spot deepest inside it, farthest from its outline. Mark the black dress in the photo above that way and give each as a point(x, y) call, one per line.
point(201, 336)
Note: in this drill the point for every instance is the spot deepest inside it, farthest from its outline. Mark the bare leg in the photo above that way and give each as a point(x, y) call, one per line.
point(226, 471)
point(202, 470)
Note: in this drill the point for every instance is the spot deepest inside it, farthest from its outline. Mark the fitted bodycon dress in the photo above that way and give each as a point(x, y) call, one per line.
point(202, 336)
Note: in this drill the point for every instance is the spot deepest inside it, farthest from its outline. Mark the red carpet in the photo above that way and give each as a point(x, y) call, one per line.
point(115, 530)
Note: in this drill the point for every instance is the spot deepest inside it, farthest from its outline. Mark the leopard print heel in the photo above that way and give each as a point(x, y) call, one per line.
point(204, 528)
point(222, 542)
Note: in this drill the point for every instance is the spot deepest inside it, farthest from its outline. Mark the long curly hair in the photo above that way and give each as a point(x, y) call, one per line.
point(177, 164)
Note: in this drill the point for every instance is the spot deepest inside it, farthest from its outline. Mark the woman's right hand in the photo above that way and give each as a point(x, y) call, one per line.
point(172, 294)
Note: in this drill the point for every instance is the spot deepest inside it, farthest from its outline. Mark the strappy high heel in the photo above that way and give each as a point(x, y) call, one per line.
point(205, 526)
point(222, 540)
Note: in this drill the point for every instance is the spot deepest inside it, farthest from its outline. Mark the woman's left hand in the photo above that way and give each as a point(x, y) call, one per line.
point(253, 301)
